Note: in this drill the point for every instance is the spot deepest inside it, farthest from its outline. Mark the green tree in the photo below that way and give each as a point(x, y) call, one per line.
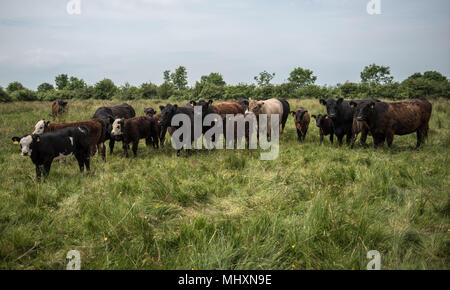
point(264, 78)
point(13, 87)
point(61, 81)
point(104, 89)
point(167, 78)
point(376, 74)
point(4, 97)
point(179, 78)
point(213, 78)
point(149, 91)
point(75, 83)
point(45, 87)
point(300, 77)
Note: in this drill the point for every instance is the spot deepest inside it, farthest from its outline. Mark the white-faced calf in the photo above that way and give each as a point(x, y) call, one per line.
point(45, 148)
point(133, 129)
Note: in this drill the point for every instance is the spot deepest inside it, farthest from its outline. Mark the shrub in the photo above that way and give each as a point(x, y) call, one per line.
point(24, 95)
point(4, 97)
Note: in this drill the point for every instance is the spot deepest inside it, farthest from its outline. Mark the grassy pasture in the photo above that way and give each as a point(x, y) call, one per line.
point(312, 208)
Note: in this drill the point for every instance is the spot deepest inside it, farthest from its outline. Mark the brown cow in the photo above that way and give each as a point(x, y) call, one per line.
point(325, 125)
point(96, 128)
point(133, 129)
point(301, 121)
point(222, 109)
point(59, 107)
point(160, 130)
point(398, 118)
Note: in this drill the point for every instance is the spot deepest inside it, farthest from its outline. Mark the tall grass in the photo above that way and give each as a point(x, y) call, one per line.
point(315, 207)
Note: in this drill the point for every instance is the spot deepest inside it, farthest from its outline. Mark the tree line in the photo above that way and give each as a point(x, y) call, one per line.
point(376, 82)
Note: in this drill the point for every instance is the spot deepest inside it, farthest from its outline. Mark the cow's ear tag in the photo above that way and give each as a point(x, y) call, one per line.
point(326, 117)
point(192, 105)
point(372, 106)
point(16, 142)
point(352, 105)
point(38, 139)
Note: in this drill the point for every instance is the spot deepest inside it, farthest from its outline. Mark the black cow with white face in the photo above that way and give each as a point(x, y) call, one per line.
point(43, 149)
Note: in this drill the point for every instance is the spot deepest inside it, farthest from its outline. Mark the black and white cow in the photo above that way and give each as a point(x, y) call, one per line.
point(45, 148)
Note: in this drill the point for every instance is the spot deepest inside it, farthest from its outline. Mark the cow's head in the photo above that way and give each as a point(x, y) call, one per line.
point(167, 113)
point(117, 128)
point(333, 106)
point(320, 119)
point(298, 115)
point(206, 109)
point(149, 112)
point(40, 126)
point(364, 110)
point(27, 143)
point(256, 106)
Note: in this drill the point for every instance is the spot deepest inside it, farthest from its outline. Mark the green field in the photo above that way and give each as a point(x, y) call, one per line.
point(312, 208)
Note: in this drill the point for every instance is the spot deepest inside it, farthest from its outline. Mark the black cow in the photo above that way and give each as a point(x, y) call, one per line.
point(45, 148)
point(169, 111)
point(342, 115)
point(109, 114)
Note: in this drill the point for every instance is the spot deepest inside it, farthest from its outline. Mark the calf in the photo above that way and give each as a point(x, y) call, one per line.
point(96, 129)
point(160, 130)
point(45, 148)
point(325, 125)
point(109, 114)
point(58, 107)
point(385, 120)
point(132, 130)
point(285, 115)
point(301, 121)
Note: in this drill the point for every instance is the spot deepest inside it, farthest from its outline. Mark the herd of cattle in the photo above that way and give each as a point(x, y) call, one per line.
point(381, 120)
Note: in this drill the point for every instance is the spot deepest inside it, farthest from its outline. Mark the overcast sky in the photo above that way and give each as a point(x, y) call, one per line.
point(136, 40)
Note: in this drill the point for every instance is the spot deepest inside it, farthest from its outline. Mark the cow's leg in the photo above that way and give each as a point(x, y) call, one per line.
point(363, 138)
point(125, 149)
point(80, 157)
point(340, 139)
point(389, 139)
point(87, 161)
point(47, 166)
point(299, 135)
point(419, 138)
point(162, 137)
point(38, 172)
point(93, 149)
point(102, 150)
point(135, 147)
point(331, 138)
point(348, 138)
point(304, 135)
point(321, 139)
point(111, 145)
